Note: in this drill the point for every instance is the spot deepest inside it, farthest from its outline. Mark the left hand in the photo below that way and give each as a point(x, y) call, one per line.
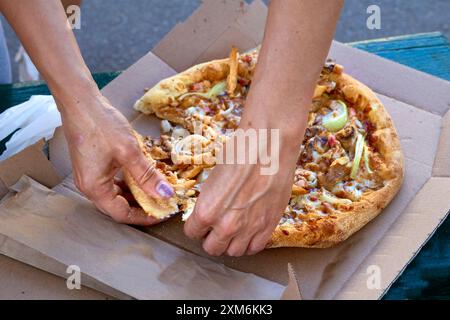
point(238, 208)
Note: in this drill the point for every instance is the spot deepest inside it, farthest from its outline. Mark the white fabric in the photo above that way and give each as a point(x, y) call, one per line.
point(36, 119)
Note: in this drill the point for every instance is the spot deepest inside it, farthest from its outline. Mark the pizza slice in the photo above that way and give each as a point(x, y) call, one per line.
point(350, 163)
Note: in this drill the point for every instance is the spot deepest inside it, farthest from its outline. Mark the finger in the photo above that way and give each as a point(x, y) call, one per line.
point(215, 244)
point(259, 242)
point(239, 244)
point(122, 185)
point(199, 223)
point(149, 179)
point(117, 207)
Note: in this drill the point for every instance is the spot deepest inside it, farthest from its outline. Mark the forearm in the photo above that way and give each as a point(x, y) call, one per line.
point(43, 28)
point(296, 41)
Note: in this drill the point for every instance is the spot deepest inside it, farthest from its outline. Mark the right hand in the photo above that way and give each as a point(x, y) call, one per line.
point(101, 142)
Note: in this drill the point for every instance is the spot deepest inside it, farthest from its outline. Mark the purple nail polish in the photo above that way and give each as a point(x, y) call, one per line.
point(164, 189)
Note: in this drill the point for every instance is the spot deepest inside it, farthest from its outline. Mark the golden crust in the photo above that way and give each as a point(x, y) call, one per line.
point(328, 232)
point(157, 208)
point(166, 91)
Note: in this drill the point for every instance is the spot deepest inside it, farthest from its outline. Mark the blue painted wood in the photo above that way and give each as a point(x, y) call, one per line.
point(428, 275)
point(428, 52)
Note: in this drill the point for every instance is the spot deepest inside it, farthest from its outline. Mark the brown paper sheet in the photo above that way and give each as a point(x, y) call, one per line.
point(113, 258)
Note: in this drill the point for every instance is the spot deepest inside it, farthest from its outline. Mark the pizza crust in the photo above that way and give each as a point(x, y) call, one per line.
point(166, 91)
point(158, 208)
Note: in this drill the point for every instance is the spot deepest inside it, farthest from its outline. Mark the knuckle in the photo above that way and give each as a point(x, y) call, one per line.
point(256, 247)
point(86, 186)
point(204, 217)
point(229, 230)
point(189, 231)
point(210, 250)
point(118, 218)
point(128, 151)
point(260, 223)
point(235, 252)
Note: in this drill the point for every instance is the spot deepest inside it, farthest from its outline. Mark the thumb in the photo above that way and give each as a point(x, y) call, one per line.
point(148, 178)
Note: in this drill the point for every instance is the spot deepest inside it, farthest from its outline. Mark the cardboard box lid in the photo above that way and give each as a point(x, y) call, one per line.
point(31, 162)
point(416, 101)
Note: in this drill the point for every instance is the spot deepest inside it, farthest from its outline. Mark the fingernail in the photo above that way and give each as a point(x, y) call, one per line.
point(164, 189)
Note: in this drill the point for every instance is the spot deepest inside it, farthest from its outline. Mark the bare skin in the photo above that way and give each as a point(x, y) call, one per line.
point(99, 137)
point(228, 216)
point(233, 216)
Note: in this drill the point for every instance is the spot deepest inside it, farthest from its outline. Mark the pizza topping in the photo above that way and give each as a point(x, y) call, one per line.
point(331, 140)
point(218, 89)
point(230, 109)
point(232, 75)
point(179, 132)
point(188, 208)
point(166, 127)
point(349, 189)
point(338, 171)
point(337, 118)
point(305, 178)
point(357, 157)
point(243, 82)
point(247, 58)
point(347, 136)
point(308, 202)
point(330, 198)
point(366, 159)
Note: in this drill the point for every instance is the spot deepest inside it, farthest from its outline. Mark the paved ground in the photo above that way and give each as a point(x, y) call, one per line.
point(116, 33)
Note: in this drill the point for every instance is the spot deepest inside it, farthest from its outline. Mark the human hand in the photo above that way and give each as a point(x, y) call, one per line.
point(101, 142)
point(239, 208)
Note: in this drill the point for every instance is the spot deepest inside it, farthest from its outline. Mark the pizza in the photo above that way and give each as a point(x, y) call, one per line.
point(350, 164)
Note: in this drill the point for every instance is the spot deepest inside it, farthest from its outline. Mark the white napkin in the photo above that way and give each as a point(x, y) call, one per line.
point(36, 119)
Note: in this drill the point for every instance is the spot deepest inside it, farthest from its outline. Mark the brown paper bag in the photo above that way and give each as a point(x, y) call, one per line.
point(52, 231)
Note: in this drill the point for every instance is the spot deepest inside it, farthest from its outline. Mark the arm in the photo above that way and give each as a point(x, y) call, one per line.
point(100, 139)
point(235, 216)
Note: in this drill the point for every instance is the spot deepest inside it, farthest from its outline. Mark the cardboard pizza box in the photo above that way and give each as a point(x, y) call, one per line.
point(363, 267)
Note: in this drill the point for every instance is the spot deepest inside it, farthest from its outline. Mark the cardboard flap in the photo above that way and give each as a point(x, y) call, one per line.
point(392, 254)
point(442, 161)
point(131, 81)
point(212, 30)
point(292, 291)
point(32, 162)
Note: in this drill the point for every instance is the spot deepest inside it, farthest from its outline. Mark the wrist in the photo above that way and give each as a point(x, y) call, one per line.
point(290, 127)
point(78, 93)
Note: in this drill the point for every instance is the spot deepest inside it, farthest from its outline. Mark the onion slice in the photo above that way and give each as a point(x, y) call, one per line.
point(366, 159)
point(218, 89)
point(336, 119)
point(331, 198)
point(192, 141)
point(358, 154)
